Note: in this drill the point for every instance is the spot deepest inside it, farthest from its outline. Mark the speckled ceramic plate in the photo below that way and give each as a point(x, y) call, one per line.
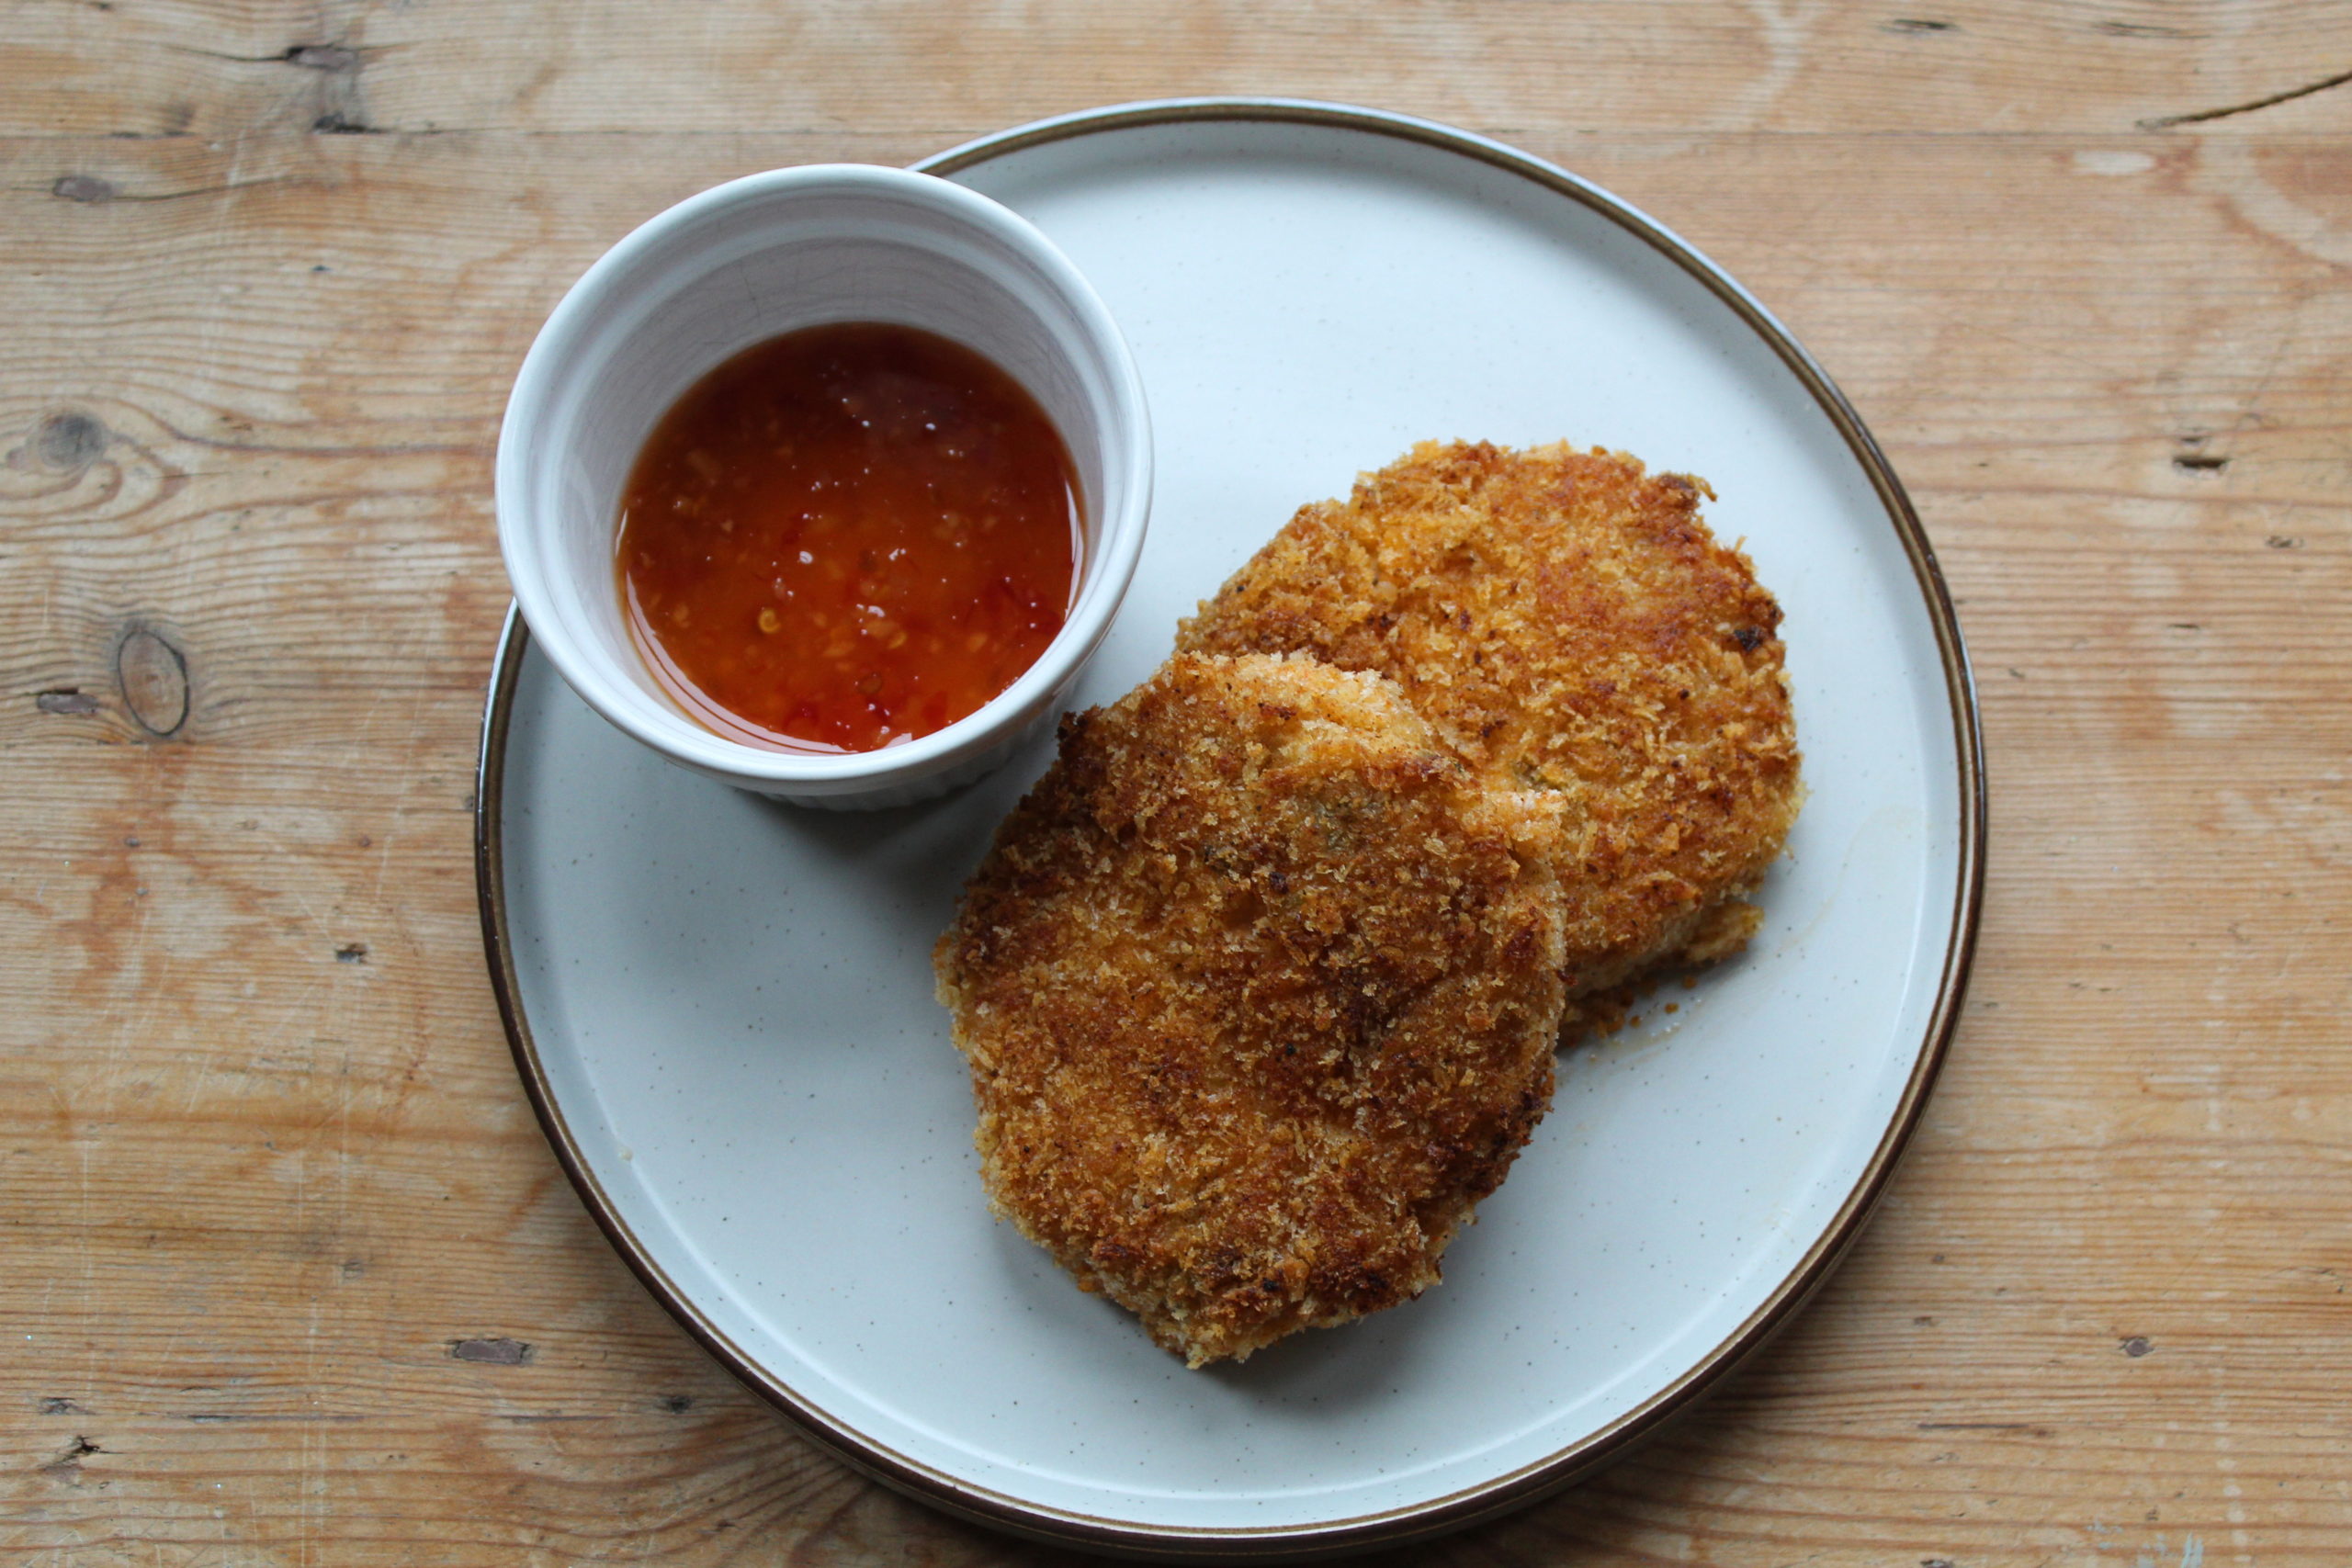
point(722, 1007)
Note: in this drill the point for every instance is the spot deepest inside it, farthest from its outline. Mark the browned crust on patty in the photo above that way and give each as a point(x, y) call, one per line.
point(1566, 622)
point(1258, 988)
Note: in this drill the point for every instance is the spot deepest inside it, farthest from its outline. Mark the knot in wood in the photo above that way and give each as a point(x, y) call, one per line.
point(153, 675)
point(69, 442)
point(87, 189)
point(323, 57)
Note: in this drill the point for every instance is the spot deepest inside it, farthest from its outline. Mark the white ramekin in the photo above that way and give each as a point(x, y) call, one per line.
point(747, 261)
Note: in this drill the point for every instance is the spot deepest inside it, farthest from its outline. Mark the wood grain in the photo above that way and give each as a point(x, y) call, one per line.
point(290, 1277)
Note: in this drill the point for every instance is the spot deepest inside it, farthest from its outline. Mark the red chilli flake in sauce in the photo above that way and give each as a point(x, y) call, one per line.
point(847, 537)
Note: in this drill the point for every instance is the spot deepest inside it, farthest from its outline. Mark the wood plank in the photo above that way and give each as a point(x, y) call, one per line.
point(212, 70)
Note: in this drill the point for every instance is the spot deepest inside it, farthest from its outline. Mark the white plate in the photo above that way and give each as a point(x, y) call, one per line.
point(723, 1010)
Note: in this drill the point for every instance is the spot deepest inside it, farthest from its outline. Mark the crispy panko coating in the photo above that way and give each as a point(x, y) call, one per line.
point(1259, 987)
point(1567, 623)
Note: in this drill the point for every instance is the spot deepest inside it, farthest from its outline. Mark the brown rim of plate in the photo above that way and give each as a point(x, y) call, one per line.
point(1598, 1450)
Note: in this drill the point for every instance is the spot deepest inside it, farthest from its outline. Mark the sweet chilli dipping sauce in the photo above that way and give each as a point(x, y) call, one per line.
point(847, 537)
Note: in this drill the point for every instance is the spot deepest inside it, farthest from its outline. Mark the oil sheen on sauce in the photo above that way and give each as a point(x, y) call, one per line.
point(847, 537)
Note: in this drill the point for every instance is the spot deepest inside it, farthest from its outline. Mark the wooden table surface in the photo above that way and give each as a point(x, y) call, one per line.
point(288, 1275)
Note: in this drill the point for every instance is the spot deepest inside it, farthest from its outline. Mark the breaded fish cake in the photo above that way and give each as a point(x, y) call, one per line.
point(1259, 987)
point(1566, 622)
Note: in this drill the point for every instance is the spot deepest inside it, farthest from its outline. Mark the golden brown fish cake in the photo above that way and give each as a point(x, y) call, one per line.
point(1259, 987)
point(1566, 622)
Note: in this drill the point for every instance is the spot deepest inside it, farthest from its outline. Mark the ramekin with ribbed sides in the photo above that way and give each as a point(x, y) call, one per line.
point(750, 261)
